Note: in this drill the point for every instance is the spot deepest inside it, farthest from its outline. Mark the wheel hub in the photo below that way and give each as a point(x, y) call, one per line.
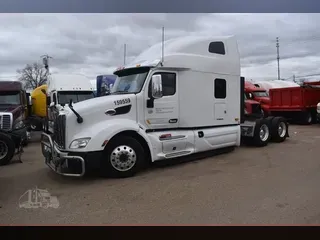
point(264, 132)
point(123, 158)
point(282, 129)
point(3, 150)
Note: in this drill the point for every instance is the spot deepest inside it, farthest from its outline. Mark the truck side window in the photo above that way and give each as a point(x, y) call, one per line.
point(217, 48)
point(220, 88)
point(168, 83)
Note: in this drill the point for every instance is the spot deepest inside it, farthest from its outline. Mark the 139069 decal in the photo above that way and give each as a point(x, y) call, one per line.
point(122, 101)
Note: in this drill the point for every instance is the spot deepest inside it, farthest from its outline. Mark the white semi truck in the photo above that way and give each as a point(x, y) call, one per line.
point(154, 114)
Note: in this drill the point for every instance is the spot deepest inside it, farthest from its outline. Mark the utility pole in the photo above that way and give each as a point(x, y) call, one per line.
point(294, 78)
point(45, 61)
point(124, 54)
point(278, 57)
point(162, 52)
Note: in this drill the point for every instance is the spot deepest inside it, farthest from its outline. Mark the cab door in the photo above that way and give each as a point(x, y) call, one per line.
point(163, 113)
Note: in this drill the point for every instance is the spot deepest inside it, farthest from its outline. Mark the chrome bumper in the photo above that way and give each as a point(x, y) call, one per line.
point(58, 160)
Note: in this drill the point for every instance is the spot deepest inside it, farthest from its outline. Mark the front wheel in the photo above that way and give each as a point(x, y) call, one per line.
point(123, 157)
point(7, 149)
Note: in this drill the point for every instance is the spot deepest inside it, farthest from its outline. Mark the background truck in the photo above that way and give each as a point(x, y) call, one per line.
point(296, 103)
point(154, 114)
point(13, 115)
point(60, 89)
point(259, 95)
point(104, 84)
point(38, 110)
point(252, 108)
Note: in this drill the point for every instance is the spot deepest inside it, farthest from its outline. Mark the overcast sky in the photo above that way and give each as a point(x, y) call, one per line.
point(92, 44)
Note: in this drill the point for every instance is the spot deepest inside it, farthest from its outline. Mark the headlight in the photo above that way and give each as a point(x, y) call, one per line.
point(18, 125)
point(79, 143)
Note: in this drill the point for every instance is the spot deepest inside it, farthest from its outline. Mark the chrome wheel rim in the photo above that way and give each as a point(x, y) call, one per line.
point(123, 158)
point(264, 133)
point(3, 150)
point(282, 129)
point(309, 119)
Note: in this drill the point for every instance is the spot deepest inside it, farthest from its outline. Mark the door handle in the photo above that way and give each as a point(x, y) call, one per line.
point(110, 112)
point(173, 120)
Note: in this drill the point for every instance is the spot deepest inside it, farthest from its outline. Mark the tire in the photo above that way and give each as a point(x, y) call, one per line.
point(111, 166)
point(261, 140)
point(306, 118)
point(7, 149)
point(279, 129)
point(36, 126)
point(25, 143)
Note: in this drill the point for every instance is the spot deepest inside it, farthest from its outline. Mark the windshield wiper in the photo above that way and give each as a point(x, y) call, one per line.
point(79, 118)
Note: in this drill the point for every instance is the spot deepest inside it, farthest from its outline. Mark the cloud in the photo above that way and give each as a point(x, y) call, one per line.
point(92, 44)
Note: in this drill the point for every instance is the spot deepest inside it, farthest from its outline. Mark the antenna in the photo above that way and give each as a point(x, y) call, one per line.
point(124, 54)
point(162, 55)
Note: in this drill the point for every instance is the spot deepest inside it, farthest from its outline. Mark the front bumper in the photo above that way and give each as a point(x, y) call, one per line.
point(73, 164)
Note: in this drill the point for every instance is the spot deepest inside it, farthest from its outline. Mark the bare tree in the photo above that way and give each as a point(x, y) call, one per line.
point(32, 75)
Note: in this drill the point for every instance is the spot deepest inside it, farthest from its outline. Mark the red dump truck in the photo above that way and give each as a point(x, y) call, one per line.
point(296, 103)
point(259, 95)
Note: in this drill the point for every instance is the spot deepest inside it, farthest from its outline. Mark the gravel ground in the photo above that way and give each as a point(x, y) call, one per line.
point(277, 184)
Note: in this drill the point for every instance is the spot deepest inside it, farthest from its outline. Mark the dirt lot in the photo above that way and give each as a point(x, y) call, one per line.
point(278, 184)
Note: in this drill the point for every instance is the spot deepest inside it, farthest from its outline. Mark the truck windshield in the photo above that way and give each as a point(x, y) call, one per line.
point(130, 80)
point(10, 98)
point(260, 94)
point(65, 96)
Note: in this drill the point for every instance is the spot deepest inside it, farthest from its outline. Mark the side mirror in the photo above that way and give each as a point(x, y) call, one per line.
point(250, 96)
point(156, 86)
point(48, 100)
point(51, 104)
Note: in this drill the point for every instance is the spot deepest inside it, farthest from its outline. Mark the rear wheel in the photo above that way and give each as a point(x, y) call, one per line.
point(279, 129)
point(261, 133)
point(7, 149)
point(306, 118)
point(123, 157)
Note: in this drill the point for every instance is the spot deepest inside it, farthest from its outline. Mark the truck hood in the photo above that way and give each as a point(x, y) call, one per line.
point(265, 100)
point(16, 110)
point(9, 108)
point(94, 109)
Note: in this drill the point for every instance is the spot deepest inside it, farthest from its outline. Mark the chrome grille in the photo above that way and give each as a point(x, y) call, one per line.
point(59, 131)
point(5, 121)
